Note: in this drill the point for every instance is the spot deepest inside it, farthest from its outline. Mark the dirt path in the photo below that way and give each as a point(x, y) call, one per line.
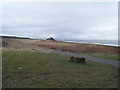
point(101, 60)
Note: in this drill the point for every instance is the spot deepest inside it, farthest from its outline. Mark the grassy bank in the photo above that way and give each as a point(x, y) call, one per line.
point(48, 70)
point(77, 47)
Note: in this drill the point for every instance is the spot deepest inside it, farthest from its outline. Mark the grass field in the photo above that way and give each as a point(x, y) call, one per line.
point(102, 51)
point(102, 55)
point(22, 69)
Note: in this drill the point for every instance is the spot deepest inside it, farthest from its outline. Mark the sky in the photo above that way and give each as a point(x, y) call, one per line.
point(61, 20)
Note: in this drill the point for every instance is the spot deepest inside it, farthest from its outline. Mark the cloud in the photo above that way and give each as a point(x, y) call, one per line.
point(61, 20)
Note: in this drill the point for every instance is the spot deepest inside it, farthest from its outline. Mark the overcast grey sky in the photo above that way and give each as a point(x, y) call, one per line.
point(82, 20)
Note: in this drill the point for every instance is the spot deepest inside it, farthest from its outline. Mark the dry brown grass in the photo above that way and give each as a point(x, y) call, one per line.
point(13, 43)
point(75, 47)
point(64, 46)
point(20, 45)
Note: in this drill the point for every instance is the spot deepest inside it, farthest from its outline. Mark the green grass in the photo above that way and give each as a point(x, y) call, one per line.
point(102, 55)
point(48, 70)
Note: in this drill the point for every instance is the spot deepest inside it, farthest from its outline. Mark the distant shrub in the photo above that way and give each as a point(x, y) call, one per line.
point(51, 38)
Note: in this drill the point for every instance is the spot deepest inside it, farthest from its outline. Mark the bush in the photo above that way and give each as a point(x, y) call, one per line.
point(78, 59)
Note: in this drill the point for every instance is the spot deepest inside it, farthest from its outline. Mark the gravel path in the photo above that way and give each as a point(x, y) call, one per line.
point(101, 60)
